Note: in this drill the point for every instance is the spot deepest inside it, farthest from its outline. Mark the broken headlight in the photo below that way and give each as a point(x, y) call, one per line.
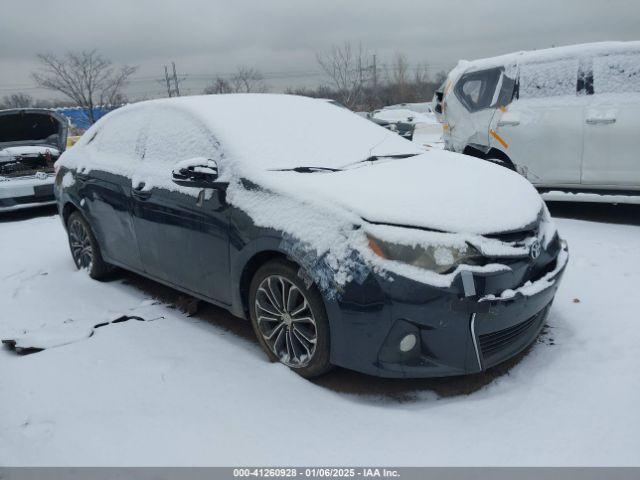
point(437, 258)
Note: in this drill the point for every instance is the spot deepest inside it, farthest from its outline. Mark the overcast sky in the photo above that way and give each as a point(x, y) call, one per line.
point(281, 37)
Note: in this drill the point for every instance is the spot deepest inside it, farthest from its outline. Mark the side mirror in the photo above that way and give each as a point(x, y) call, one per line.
point(196, 172)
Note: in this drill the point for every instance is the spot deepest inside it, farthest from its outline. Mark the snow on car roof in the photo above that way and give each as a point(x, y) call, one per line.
point(274, 131)
point(580, 50)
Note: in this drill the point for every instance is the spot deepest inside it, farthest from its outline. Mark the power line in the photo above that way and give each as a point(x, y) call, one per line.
point(141, 86)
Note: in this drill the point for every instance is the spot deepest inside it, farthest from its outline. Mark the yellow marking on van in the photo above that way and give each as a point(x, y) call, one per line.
point(498, 138)
point(445, 126)
point(447, 87)
point(502, 108)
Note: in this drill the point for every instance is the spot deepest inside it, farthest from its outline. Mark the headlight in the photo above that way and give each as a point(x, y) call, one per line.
point(437, 258)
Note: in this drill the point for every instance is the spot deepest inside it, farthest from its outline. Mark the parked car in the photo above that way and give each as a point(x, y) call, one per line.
point(343, 243)
point(31, 140)
point(419, 107)
point(565, 118)
point(400, 121)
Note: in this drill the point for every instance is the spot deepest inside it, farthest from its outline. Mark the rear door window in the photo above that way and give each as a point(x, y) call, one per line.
point(548, 79)
point(477, 90)
point(617, 73)
point(120, 134)
point(173, 136)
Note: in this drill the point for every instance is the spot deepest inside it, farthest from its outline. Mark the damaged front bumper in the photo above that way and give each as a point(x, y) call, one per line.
point(25, 192)
point(397, 327)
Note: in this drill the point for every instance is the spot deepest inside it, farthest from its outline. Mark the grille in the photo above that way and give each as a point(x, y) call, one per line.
point(494, 342)
point(515, 237)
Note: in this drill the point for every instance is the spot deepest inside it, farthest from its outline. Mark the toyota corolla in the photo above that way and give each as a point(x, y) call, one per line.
point(343, 243)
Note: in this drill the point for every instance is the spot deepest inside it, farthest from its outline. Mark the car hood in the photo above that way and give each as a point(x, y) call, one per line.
point(437, 190)
point(32, 127)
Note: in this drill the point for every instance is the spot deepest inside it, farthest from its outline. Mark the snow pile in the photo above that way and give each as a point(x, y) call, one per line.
point(559, 196)
point(199, 380)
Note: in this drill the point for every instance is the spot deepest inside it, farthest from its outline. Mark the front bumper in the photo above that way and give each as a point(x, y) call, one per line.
point(26, 192)
point(455, 335)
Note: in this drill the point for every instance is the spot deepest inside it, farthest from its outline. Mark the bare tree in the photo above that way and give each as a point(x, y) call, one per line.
point(17, 100)
point(245, 80)
point(345, 67)
point(248, 80)
point(399, 79)
point(440, 77)
point(421, 75)
point(400, 69)
point(85, 77)
point(219, 85)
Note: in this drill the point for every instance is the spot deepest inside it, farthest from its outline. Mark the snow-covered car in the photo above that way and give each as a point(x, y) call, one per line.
point(401, 121)
point(343, 243)
point(31, 140)
point(418, 107)
point(566, 118)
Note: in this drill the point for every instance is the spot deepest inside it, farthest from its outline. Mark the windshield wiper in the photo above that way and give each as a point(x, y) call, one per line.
point(375, 158)
point(307, 169)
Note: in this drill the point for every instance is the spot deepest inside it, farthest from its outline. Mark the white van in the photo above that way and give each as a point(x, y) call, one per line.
point(566, 118)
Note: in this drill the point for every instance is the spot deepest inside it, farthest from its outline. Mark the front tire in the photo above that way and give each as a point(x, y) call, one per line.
point(289, 319)
point(84, 247)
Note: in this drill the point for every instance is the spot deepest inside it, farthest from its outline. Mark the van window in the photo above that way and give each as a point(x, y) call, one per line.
point(548, 79)
point(585, 77)
point(617, 73)
point(476, 90)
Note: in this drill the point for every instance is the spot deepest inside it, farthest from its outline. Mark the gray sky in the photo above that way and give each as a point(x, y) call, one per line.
point(281, 37)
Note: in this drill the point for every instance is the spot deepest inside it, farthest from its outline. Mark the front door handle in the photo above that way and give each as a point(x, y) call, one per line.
point(140, 193)
point(601, 121)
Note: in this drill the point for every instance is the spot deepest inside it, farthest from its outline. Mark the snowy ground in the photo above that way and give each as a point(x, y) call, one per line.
point(179, 390)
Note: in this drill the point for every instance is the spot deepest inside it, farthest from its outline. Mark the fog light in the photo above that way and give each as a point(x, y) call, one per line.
point(408, 342)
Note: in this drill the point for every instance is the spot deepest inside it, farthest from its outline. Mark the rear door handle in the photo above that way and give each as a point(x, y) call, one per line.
point(508, 123)
point(139, 193)
point(600, 121)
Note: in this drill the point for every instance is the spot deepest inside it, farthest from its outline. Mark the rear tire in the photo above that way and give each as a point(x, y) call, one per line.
point(289, 319)
point(84, 247)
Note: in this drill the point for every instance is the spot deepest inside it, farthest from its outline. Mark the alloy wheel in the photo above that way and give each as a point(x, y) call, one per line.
point(285, 321)
point(80, 242)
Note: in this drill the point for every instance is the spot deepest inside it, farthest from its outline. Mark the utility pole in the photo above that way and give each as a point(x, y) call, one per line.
point(175, 79)
point(374, 72)
point(166, 78)
point(375, 75)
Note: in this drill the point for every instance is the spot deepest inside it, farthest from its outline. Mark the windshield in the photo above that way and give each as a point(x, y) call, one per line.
point(270, 132)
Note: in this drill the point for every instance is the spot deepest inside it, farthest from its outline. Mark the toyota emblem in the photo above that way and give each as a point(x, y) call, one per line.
point(535, 250)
